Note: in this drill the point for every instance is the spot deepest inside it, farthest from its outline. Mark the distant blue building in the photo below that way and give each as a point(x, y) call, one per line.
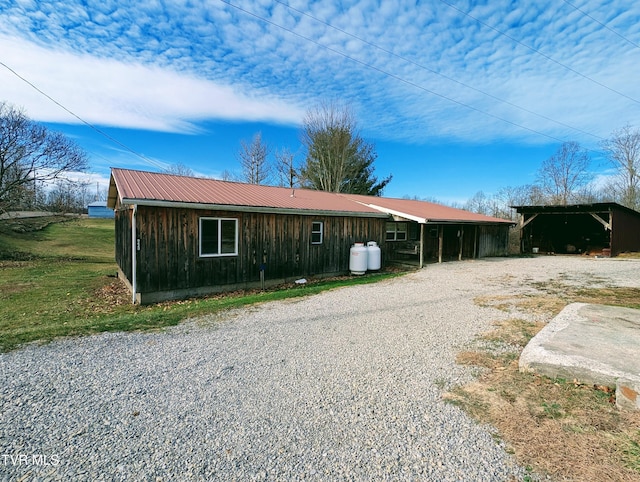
point(99, 209)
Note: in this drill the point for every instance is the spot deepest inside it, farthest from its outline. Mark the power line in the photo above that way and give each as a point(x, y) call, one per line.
point(539, 52)
point(451, 79)
point(602, 24)
point(101, 132)
point(389, 74)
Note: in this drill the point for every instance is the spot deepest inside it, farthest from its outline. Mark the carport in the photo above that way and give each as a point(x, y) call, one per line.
point(598, 228)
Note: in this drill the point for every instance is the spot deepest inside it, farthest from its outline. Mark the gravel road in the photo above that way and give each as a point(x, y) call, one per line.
point(345, 385)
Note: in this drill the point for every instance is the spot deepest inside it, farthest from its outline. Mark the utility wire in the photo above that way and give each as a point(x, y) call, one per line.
point(389, 74)
point(99, 131)
point(539, 52)
point(424, 67)
point(602, 24)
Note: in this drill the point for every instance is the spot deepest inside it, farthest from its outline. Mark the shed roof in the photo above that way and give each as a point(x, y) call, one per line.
point(149, 188)
point(574, 208)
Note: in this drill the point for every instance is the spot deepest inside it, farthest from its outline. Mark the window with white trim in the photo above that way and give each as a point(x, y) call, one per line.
point(218, 237)
point(396, 231)
point(317, 232)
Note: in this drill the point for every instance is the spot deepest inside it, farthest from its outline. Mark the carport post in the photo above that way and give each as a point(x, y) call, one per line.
point(421, 245)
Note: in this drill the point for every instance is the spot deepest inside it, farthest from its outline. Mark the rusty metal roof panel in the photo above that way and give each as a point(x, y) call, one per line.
point(148, 187)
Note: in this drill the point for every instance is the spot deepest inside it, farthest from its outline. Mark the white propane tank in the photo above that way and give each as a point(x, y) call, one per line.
point(374, 258)
point(358, 259)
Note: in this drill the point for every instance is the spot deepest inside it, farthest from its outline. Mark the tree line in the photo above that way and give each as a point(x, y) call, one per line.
point(35, 163)
point(566, 178)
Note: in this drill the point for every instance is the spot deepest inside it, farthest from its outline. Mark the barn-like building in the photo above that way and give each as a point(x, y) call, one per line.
point(179, 236)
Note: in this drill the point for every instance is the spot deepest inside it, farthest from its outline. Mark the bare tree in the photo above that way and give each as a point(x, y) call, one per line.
point(68, 196)
point(479, 203)
point(509, 196)
point(623, 151)
point(286, 169)
point(253, 161)
point(180, 169)
point(564, 173)
point(30, 154)
point(227, 175)
point(338, 159)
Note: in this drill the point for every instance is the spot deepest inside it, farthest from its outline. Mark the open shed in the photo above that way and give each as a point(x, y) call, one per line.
point(424, 232)
point(598, 228)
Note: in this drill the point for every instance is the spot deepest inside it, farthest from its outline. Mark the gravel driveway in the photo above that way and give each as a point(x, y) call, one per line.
point(345, 385)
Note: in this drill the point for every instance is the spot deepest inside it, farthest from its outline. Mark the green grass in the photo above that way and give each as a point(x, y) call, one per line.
point(58, 279)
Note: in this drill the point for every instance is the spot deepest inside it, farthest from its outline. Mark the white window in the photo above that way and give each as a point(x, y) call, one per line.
point(218, 237)
point(396, 232)
point(317, 232)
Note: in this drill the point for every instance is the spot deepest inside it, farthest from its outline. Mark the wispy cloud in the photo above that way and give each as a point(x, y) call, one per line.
point(167, 65)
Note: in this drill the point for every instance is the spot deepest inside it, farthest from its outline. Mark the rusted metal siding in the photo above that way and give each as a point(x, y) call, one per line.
point(169, 259)
point(625, 231)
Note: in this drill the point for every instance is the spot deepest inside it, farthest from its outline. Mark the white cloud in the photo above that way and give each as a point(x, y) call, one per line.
point(111, 92)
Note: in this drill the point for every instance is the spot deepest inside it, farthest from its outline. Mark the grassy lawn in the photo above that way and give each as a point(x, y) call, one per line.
point(58, 279)
point(556, 427)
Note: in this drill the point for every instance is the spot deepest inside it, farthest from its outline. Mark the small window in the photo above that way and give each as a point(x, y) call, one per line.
point(317, 232)
point(218, 237)
point(396, 232)
point(401, 231)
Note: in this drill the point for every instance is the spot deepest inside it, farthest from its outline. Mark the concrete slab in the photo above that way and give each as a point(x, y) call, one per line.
point(596, 344)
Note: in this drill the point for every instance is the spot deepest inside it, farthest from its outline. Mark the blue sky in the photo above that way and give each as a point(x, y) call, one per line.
point(458, 96)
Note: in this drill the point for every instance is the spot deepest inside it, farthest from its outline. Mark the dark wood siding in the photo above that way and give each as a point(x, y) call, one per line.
point(493, 241)
point(281, 243)
point(123, 241)
point(625, 232)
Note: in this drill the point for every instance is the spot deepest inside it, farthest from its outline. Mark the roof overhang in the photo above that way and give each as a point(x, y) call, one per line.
point(395, 214)
point(574, 208)
point(112, 195)
point(401, 216)
point(471, 222)
point(247, 209)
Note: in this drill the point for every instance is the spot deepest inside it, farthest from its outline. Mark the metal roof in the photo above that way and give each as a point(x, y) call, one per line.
point(426, 212)
point(149, 188)
point(159, 189)
point(573, 208)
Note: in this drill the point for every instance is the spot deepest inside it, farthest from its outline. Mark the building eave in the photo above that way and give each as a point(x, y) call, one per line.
point(421, 220)
point(248, 209)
